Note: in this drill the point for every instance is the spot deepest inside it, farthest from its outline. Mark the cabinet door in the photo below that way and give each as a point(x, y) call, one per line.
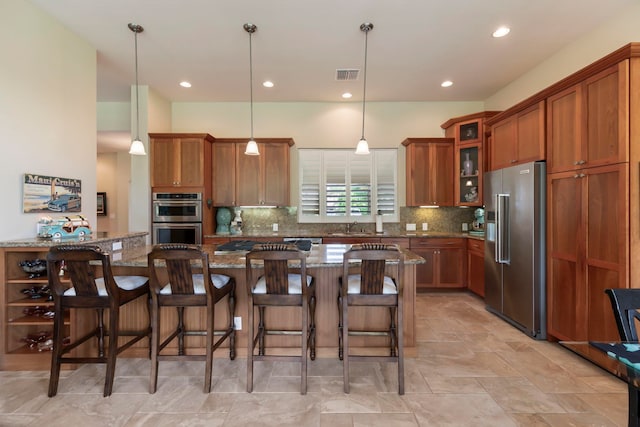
point(247, 177)
point(606, 108)
point(452, 266)
point(440, 174)
point(564, 130)
point(530, 134)
point(468, 175)
point(425, 273)
point(191, 162)
point(224, 180)
point(606, 215)
point(418, 192)
point(275, 172)
point(163, 154)
point(503, 149)
point(475, 266)
point(566, 298)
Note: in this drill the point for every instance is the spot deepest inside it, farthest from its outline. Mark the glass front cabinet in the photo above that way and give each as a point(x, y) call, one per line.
point(470, 133)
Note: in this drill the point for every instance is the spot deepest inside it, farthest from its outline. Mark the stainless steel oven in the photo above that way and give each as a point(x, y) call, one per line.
point(177, 232)
point(177, 207)
point(177, 218)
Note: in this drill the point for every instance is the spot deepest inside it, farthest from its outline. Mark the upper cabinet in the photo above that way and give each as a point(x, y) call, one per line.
point(242, 180)
point(179, 160)
point(518, 137)
point(587, 124)
point(429, 171)
point(469, 158)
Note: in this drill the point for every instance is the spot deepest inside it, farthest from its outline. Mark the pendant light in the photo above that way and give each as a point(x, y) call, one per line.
point(137, 147)
point(363, 146)
point(252, 147)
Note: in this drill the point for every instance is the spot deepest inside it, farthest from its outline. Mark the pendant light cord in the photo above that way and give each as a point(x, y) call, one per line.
point(364, 78)
point(251, 82)
point(137, 96)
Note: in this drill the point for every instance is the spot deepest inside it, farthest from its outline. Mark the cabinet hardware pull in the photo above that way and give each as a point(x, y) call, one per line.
point(513, 161)
point(576, 176)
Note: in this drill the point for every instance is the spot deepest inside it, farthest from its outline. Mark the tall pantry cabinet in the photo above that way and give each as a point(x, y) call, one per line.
point(592, 228)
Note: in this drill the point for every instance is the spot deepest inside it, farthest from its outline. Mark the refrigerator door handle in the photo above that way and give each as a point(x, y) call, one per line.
point(502, 228)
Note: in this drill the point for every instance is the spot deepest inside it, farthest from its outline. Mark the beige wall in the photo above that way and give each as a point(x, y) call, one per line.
point(47, 111)
point(623, 29)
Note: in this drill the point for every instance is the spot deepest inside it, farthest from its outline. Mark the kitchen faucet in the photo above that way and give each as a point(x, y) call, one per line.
point(349, 226)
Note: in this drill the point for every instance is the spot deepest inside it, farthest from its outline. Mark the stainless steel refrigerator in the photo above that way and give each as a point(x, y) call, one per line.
point(514, 259)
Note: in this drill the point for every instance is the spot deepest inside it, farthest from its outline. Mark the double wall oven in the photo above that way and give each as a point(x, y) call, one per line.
point(177, 218)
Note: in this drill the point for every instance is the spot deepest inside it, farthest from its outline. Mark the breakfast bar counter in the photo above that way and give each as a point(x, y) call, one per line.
point(324, 263)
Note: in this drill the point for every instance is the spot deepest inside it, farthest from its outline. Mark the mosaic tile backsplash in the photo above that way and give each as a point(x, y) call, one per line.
point(257, 221)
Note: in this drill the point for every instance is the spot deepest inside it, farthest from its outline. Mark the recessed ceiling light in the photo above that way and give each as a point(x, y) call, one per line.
point(446, 83)
point(501, 32)
point(267, 84)
point(185, 84)
point(347, 95)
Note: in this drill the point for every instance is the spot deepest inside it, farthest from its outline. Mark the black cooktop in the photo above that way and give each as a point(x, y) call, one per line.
point(247, 245)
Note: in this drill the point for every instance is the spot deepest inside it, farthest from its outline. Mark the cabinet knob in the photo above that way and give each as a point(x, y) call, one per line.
point(513, 161)
point(576, 176)
point(582, 162)
point(582, 175)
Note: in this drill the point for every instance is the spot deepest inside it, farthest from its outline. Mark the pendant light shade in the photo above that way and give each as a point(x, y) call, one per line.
point(137, 147)
point(363, 146)
point(252, 147)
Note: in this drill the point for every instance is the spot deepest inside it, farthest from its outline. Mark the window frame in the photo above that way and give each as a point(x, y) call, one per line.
point(313, 167)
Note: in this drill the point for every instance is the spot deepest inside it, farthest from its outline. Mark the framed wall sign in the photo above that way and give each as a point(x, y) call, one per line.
point(101, 204)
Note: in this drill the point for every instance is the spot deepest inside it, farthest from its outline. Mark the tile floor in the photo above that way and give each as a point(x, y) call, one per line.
point(472, 369)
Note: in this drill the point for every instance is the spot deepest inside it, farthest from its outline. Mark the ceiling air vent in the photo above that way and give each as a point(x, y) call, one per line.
point(347, 74)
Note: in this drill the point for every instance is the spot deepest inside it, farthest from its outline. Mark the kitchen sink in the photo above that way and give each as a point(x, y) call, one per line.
point(354, 234)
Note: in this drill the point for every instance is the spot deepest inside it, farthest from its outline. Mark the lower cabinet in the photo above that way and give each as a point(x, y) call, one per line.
point(26, 321)
point(475, 266)
point(446, 263)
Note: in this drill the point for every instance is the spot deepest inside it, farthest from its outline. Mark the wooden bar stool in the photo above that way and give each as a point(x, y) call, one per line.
point(276, 273)
point(86, 290)
point(179, 277)
point(376, 285)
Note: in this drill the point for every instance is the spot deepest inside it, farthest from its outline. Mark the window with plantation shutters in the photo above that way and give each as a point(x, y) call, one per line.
point(340, 186)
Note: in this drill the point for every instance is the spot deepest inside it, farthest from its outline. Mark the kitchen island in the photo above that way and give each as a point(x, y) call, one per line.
point(324, 263)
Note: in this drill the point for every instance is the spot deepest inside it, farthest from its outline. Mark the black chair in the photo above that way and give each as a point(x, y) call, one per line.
point(80, 287)
point(275, 277)
point(377, 284)
point(179, 277)
point(625, 304)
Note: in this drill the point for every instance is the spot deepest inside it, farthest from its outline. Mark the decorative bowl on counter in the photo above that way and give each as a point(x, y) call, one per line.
point(34, 267)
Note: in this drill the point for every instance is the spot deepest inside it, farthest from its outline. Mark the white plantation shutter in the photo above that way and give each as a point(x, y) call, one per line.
point(385, 182)
point(340, 186)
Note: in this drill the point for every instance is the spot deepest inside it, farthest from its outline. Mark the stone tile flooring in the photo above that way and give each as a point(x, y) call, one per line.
point(472, 369)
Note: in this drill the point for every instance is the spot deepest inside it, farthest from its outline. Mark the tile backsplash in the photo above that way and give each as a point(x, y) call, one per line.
point(259, 221)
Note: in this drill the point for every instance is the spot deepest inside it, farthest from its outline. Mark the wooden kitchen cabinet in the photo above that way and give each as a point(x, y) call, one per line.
point(16, 325)
point(475, 266)
point(587, 238)
point(242, 180)
point(518, 138)
point(587, 124)
point(445, 265)
point(349, 240)
point(224, 173)
point(429, 171)
point(179, 160)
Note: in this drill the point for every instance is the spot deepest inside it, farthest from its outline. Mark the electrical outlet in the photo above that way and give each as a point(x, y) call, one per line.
point(425, 226)
point(275, 227)
point(117, 246)
point(465, 226)
point(237, 323)
point(411, 227)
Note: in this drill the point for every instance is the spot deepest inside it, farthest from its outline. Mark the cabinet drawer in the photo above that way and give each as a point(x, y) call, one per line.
point(402, 243)
point(430, 242)
point(475, 245)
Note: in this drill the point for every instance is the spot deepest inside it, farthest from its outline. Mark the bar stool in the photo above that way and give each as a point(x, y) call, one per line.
point(179, 277)
point(275, 274)
point(85, 290)
point(376, 285)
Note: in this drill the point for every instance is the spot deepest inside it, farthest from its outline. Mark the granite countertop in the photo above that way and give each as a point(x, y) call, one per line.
point(95, 238)
point(302, 233)
point(319, 256)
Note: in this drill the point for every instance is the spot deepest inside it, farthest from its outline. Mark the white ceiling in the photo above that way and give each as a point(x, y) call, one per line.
point(299, 44)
